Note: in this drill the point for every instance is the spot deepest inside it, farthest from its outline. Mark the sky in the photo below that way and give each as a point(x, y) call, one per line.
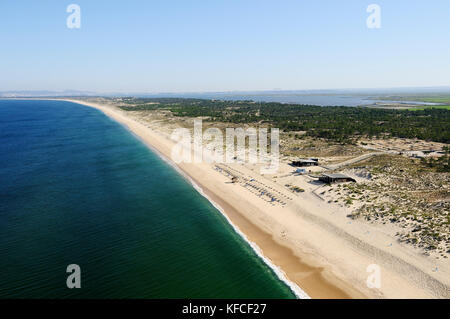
point(230, 45)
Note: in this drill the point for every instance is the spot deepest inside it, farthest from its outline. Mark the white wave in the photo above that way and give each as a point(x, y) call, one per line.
point(280, 274)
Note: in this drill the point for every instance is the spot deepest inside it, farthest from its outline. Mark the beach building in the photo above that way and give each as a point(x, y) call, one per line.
point(305, 162)
point(335, 178)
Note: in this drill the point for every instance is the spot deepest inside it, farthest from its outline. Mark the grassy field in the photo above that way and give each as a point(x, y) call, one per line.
point(423, 107)
point(437, 99)
point(443, 99)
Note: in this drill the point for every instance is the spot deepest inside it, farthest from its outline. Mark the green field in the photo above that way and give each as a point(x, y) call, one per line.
point(423, 107)
point(443, 99)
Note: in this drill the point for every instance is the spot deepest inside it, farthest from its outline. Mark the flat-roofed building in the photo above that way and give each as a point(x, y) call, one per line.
point(335, 178)
point(305, 162)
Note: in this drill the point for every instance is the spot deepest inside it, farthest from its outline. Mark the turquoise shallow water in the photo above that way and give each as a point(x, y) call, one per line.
point(78, 188)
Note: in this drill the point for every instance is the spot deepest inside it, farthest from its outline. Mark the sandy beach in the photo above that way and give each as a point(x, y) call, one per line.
point(316, 247)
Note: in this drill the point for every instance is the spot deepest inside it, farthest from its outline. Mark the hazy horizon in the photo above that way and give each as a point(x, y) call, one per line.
point(391, 90)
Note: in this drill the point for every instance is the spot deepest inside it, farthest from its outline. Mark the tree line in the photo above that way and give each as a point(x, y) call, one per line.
point(338, 123)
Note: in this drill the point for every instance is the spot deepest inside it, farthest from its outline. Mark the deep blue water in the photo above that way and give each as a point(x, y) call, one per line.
point(78, 188)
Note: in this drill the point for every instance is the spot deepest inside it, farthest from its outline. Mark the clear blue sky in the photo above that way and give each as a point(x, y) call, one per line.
point(212, 45)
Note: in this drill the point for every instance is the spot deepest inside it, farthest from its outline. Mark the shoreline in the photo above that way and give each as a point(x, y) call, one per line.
point(296, 290)
point(321, 287)
point(326, 262)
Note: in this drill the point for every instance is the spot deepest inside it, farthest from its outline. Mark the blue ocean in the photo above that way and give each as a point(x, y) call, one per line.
point(78, 188)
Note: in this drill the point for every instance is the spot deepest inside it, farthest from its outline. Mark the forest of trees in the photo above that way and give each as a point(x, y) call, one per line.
point(338, 123)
